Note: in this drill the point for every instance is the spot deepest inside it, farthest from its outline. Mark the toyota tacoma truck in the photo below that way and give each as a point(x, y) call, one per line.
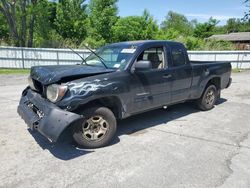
point(114, 82)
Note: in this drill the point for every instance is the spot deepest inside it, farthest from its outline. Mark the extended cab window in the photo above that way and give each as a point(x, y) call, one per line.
point(178, 56)
point(154, 55)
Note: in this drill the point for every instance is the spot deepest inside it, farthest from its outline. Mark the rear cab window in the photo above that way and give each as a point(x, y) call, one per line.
point(178, 56)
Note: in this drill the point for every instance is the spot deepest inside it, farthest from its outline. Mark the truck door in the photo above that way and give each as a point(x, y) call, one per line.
point(151, 87)
point(181, 72)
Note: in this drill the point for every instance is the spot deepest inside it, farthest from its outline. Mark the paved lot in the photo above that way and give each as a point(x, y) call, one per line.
point(180, 147)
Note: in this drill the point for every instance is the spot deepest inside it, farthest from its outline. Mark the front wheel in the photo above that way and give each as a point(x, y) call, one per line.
point(98, 129)
point(208, 98)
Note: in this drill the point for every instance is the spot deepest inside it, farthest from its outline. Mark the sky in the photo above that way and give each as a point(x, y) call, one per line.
point(201, 10)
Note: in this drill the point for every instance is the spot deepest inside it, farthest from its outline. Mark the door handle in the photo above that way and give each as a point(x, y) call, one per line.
point(167, 76)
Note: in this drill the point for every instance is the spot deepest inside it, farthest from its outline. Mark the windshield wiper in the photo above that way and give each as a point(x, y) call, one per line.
point(93, 52)
point(83, 60)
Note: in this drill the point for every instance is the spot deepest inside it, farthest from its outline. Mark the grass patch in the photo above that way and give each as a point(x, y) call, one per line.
point(14, 71)
point(239, 70)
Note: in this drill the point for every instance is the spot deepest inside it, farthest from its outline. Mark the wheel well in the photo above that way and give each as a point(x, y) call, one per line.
point(113, 103)
point(215, 81)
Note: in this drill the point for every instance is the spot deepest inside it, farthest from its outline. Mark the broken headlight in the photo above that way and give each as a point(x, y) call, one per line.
point(31, 83)
point(56, 92)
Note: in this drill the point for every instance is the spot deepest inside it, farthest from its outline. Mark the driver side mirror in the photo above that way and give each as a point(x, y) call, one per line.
point(143, 65)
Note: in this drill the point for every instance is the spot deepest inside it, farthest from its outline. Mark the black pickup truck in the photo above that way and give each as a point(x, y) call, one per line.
point(115, 82)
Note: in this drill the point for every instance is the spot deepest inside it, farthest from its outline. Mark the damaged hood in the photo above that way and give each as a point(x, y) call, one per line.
point(52, 74)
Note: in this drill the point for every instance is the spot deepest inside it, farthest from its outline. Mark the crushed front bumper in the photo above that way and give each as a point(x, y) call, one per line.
point(44, 116)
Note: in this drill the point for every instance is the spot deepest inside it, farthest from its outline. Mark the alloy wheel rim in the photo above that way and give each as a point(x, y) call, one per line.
point(210, 97)
point(95, 128)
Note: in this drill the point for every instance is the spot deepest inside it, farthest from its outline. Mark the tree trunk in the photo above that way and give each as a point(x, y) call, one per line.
point(32, 24)
point(23, 23)
point(31, 30)
point(10, 16)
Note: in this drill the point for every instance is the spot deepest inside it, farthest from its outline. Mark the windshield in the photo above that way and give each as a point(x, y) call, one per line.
point(114, 57)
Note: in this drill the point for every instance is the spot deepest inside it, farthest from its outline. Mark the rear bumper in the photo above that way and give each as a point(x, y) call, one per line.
point(44, 116)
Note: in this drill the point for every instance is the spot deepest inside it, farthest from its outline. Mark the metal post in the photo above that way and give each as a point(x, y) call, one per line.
point(238, 61)
point(57, 57)
point(215, 56)
point(22, 58)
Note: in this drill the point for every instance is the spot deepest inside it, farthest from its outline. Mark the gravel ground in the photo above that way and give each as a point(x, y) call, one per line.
point(178, 147)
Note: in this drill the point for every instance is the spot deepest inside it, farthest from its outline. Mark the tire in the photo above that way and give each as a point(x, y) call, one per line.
point(98, 130)
point(208, 98)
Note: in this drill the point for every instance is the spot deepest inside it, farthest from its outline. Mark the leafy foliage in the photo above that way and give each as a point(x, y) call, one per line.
point(71, 19)
point(237, 25)
point(204, 30)
point(177, 22)
point(217, 45)
point(4, 31)
point(135, 28)
point(75, 23)
point(102, 16)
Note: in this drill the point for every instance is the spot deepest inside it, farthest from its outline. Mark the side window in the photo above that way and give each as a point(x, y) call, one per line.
point(155, 55)
point(178, 56)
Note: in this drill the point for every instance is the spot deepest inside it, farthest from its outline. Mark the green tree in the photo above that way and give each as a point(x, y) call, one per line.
point(207, 29)
point(102, 16)
point(128, 28)
point(21, 17)
point(245, 26)
point(44, 27)
point(193, 43)
point(42, 18)
point(178, 23)
point(236, 25)
point(4, 33)
point(170, 34)
point(233, 25)
point(135, 28)
point(150, 27)
point(71, 20)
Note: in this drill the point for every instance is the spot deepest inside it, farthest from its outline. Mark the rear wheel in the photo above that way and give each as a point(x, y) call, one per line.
point(98, 130)
point(208, 98)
